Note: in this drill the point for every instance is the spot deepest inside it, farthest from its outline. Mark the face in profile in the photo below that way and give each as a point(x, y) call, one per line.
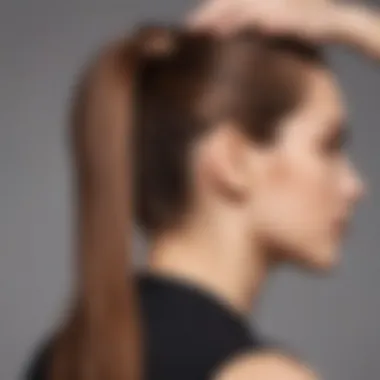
point(304, 188)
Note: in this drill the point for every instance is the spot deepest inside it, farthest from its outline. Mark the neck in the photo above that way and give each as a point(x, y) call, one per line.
point(220, 258)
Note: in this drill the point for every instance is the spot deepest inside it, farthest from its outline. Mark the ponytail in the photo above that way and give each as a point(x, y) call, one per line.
point(101, 339)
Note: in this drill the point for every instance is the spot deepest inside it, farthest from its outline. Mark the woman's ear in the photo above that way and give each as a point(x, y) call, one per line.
point(226, 160)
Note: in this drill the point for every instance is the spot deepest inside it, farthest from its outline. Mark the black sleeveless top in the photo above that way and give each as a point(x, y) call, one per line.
point(188, 332)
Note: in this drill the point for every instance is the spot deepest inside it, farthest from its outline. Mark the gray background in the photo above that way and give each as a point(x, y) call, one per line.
point(333, 321)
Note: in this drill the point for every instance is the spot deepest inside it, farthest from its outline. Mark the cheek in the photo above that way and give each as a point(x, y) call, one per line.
point(298, 203)
point(310, 185)
point(302, 187)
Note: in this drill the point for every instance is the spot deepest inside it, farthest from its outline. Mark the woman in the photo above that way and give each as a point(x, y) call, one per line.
point(236, 152)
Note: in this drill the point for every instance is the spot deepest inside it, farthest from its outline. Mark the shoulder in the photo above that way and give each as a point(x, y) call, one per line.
point(265, 366)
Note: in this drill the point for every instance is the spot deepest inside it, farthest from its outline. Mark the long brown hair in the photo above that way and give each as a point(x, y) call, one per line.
point(182, 84)
point(102, 330)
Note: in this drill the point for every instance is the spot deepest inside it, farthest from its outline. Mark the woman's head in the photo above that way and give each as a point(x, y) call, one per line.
point(254, 125)
point(245, 129)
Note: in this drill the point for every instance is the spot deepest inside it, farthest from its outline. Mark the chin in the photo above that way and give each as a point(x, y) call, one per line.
point(324, 261)
point(321, 261)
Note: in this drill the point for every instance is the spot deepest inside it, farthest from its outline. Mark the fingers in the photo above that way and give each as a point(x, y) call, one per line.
point(228, 16)
point(210, 16)
point(223, 16)
point(269, 16)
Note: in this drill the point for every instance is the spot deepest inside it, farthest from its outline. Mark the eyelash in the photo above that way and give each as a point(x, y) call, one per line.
point(335, 145)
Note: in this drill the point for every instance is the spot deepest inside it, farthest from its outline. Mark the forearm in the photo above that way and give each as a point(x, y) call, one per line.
point(359, 27)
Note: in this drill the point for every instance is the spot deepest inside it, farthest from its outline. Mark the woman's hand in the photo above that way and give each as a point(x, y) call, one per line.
point(320, 21)
point(310, 19)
